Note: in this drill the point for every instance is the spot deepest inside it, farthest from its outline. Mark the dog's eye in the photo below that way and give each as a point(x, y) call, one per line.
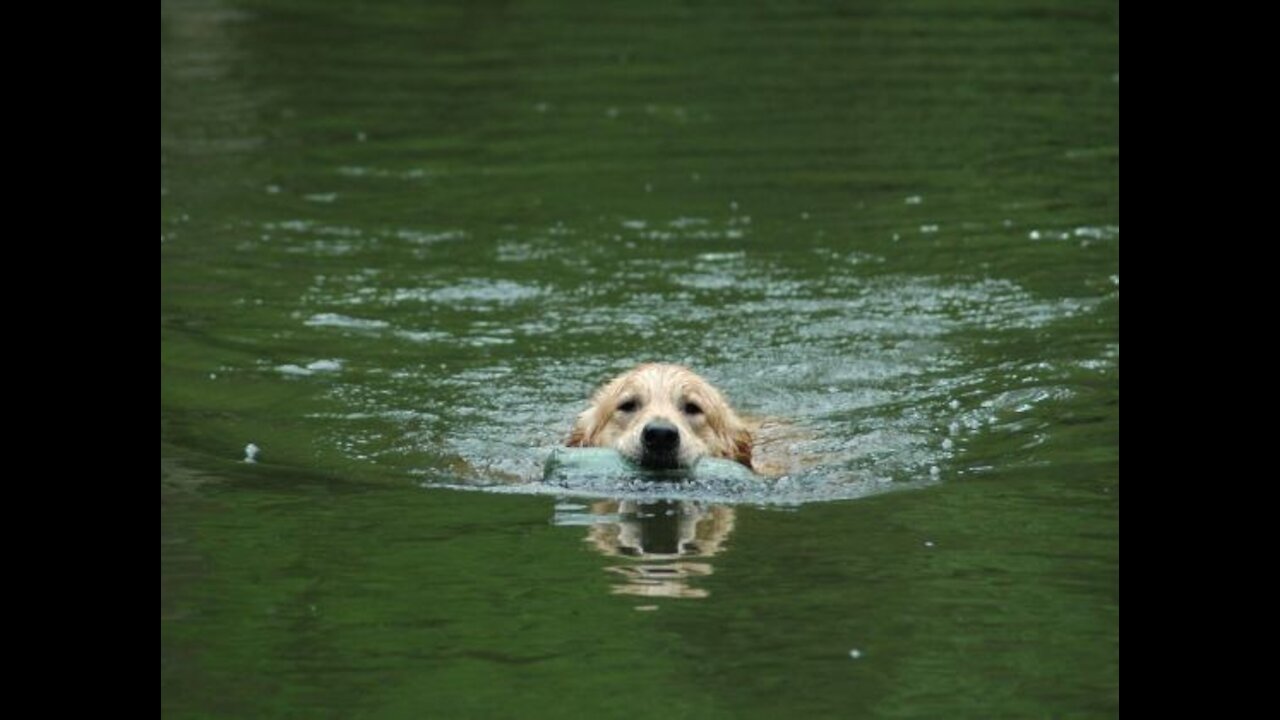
point(692, 408)
point(628, 406)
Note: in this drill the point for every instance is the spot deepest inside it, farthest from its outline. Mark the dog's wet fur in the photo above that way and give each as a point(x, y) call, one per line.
point(663, 416)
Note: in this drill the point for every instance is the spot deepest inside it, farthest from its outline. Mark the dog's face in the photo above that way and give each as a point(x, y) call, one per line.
point(663, 416)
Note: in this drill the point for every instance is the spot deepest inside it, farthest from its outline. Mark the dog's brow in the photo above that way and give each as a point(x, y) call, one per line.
point(692, 392)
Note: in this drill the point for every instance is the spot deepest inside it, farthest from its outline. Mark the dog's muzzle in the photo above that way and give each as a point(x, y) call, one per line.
point(660, 442)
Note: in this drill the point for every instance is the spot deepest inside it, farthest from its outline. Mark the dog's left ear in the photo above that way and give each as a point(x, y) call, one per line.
point(742, 444)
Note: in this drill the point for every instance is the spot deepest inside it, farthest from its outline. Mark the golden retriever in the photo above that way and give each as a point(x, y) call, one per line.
point(663, 416)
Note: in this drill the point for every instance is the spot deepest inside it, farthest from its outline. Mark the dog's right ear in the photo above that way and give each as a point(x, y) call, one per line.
point(580, 435)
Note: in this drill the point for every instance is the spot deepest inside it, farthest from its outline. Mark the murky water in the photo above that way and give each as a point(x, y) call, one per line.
point(400, 245)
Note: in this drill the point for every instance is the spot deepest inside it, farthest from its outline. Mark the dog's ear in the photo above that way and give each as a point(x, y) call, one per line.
point(741, 442)
point(583, 429)
point(742, 449)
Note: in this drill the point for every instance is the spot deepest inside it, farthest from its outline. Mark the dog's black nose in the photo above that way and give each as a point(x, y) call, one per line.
point(660, 437)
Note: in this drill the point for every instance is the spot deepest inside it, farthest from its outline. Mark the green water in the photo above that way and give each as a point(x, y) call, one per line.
point(400, 244)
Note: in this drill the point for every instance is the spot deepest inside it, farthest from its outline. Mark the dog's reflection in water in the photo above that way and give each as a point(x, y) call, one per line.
point(665, 542)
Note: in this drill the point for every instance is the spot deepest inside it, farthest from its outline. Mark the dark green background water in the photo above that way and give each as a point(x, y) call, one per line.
point(401, 242)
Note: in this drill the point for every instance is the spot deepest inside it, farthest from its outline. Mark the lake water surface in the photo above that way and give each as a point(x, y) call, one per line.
point(402, 242)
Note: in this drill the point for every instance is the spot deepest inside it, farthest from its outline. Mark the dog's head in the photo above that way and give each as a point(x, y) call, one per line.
point(663, 416)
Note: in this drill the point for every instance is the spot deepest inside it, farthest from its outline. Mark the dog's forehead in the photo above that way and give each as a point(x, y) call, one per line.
point(657, 381)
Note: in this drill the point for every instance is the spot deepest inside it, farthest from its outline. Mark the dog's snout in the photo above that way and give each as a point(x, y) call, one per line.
point(660, 436)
